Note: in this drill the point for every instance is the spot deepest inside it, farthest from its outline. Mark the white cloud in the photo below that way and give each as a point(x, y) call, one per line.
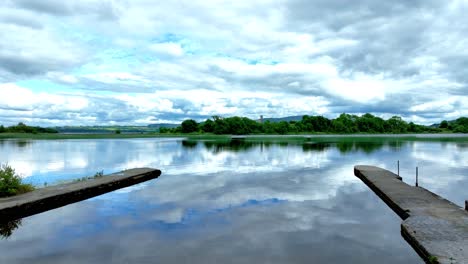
point(450, 104)
point(167, 49)
point(16, 97)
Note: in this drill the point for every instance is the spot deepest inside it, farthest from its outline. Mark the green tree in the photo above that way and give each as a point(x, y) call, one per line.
point(460, 129)
point(345, 124)
point(282, 127)
point(268, 127)
point(221, 126)
point(189, 126)
point(369, 123)
point(339, 126)
point(164, 130)
point(208, 126)
point(413, 128)
point(396, 125)
point(316, 123)
point(2, 129)
point(444, 124)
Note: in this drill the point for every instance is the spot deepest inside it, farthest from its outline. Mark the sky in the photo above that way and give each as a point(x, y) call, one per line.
point(140, 62)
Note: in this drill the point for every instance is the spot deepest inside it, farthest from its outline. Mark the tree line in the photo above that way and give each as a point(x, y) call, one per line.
point(459, 125)
point(344, 124)
point(23, 128)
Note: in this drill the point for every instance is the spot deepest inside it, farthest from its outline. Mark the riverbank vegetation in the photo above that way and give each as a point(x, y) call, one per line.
point(344, 124)
point(11, 183)
point(23, 128)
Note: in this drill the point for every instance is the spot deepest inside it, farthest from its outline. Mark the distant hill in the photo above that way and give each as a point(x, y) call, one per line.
point(279, 119)
point(112, 129)
point(163, 125)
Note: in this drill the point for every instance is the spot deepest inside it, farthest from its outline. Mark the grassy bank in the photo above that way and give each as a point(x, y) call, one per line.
point(48, 136)
point(72, 136)
point(362, 138)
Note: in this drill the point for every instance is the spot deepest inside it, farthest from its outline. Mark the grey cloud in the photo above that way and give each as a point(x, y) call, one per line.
point(394, 103)
point(389, 34)
point(338, 14)
point(21, 21)
point(276, 82)
point(20, 58)
point(51, 7)
point(27, 66)
point(104, 10)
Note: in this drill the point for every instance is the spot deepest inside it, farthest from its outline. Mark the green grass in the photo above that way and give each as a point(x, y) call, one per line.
point(433, 260)
point(354, 138)
point(10, 182)
point(77, 136)
point(195, 136)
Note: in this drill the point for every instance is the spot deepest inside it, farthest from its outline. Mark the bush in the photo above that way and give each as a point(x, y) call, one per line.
point(10, 182)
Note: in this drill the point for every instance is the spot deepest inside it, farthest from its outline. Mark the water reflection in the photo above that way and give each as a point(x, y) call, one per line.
point(189, 143)
point(7, 228)
point(229, 202)
point(18, 143)
point(234, 145)
point(237, 145)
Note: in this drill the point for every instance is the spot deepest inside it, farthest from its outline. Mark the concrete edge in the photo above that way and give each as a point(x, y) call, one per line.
point(397, 209)
point(42, 204)
point(414, 243)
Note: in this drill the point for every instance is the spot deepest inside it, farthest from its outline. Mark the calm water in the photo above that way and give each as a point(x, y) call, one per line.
point(225, 202)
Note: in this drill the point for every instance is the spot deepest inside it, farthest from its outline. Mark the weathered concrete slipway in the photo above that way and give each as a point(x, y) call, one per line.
point(40, 200)
point(435, 227)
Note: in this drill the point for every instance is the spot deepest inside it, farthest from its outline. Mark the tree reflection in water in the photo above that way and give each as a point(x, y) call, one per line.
point(7, 228)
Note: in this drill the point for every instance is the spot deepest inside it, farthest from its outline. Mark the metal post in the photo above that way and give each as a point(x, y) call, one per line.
point(466, 205)
point(398, 167)
point(417, 177)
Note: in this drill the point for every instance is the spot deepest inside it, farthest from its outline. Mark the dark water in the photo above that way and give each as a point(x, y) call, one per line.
point(224, 202)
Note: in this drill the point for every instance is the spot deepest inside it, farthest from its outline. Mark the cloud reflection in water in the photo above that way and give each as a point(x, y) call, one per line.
point(265, 203)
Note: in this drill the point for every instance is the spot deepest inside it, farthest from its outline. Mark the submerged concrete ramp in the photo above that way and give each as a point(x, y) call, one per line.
point(43, 199)
point(435, 227)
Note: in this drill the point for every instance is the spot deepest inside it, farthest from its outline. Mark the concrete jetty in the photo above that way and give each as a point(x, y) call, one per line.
point(43, 199)
point(436, 228)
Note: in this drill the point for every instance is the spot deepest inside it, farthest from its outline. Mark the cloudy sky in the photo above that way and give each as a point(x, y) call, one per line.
point(94, 62)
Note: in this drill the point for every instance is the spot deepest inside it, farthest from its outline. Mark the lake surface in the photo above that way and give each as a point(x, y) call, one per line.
point(231, 202)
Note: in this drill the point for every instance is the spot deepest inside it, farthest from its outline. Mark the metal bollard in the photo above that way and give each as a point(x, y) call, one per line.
point(398, 164)
point(417, 177)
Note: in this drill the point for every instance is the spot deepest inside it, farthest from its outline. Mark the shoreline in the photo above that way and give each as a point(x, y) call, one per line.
point(318, 136)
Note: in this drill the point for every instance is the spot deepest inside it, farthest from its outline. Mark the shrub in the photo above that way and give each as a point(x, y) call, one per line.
point(99, 174)
point(10, 182)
